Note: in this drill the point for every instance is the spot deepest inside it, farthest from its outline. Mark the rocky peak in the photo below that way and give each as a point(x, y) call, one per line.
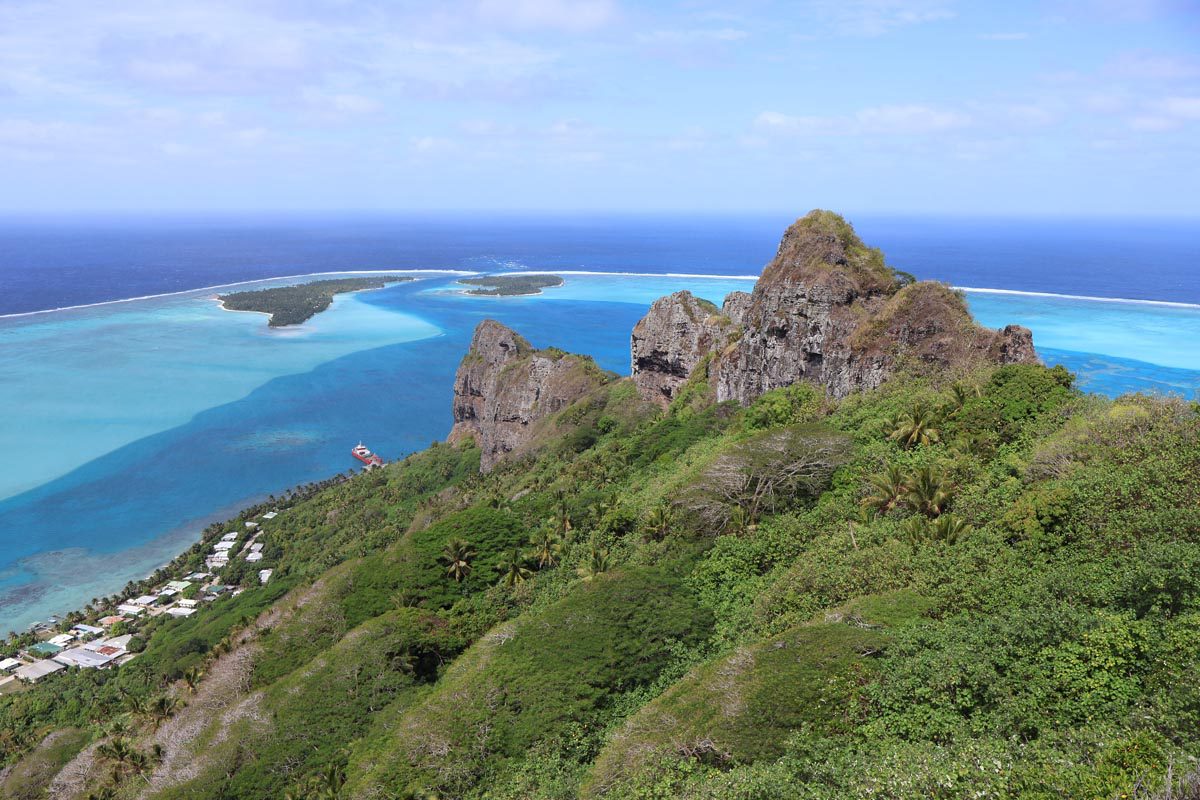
point(667, 344)
point(504, 387)
point(827, 309)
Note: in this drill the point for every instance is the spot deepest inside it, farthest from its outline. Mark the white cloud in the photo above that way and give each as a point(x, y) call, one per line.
point(178, 149)
point(1153, 124)
point(340, 104)
point(692, 139)
point(692, 36)
point(906, 120)
point(910, 119)
point(1168, 114)
point(428, 144)
point(877, 17)
point(1182, 107)
point(775, 122)
point(571, 128)
point(565, 15)
point(486, 127)
point(1154, 67)
point(1001, 115)
point(250, 136)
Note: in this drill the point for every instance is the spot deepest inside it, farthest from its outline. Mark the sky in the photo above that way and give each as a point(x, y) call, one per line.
point(1066, 107)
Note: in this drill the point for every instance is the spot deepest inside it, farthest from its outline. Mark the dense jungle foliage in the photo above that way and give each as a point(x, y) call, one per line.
point(989, 589)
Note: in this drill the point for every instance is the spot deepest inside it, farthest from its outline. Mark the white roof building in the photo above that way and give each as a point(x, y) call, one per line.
point(131, 610)
point(224, 545)
point(8, 663)
point(264, 575)
point(270, 515)
point(85, 658)
point(188, 603)
point(144, 600)
point(178, 586)
point(62, 639)
point(255, 556)
point(180, 611)
point(37, 670)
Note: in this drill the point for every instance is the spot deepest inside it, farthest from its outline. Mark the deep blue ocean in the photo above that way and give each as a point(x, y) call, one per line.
point(129, 425)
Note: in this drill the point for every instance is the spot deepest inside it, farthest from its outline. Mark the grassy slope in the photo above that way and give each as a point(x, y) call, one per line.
point(1050, 650)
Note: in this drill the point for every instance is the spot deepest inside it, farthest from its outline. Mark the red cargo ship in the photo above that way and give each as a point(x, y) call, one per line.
point(363, 454)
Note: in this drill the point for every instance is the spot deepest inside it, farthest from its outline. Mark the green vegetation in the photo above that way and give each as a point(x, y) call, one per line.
point(988, 589)
point(292, 305)
point(509, 285)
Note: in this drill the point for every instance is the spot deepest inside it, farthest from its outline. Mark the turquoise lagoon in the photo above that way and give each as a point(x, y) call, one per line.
point(133, 424)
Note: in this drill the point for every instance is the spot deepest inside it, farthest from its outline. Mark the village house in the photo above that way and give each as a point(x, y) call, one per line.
point(86, 659)
point(32, 673)
point(41, 650)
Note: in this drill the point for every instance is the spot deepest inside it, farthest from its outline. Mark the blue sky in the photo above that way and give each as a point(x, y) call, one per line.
point(911, 106)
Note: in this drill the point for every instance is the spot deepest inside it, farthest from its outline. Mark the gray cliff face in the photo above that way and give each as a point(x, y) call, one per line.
point(668, 343)
point(736, 305)
point(828, 310)
point(795, 330)
point(504, 388)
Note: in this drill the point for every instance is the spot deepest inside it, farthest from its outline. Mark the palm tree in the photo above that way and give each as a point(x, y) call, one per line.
point(457, 555)
point(917, 425)
point(133, 703)
point(949, 528)
point(513, 568)
point(596, 565)
point(332, 780)
point(192, 678)
point(915, 530)
point(163, 707)
point(546, 547)
point(563, 515)
point(960, 393)
point(887, 490)
point(658, 521)
point(124, 756)
point(118, 727)
point(927, 492)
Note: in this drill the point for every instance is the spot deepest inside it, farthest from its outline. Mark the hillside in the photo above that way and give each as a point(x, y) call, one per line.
point(949, 574)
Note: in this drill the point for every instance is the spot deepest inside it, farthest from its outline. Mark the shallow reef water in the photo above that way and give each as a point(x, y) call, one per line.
point(136, 423)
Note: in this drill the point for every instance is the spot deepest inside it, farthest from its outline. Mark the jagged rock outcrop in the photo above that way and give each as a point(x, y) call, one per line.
point(504, 387)
point(677, 334)
point(736, 305)
point(827, 309)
